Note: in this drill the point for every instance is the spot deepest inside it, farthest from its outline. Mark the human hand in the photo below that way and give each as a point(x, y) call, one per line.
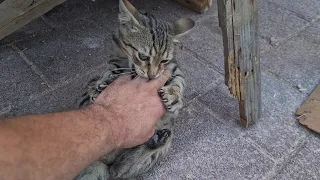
point(132, 108)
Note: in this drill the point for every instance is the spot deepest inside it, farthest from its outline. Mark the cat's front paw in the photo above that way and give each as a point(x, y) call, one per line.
point(96, 86)
point(171, 97)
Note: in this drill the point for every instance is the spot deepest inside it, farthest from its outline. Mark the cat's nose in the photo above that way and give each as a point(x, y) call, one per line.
point(152, 76)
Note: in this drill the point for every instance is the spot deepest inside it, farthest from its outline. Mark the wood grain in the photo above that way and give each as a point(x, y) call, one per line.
point(238, 20)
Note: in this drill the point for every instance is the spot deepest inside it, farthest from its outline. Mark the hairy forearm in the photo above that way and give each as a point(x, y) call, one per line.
point(52, 146)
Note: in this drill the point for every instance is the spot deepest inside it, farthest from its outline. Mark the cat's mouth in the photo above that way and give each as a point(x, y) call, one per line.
point(144, 73)
point(148, 76)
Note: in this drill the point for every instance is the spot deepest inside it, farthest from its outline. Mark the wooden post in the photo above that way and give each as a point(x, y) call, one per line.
point(238, 20)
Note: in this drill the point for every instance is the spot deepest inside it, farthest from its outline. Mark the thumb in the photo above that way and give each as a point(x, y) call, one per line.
point(160, 81)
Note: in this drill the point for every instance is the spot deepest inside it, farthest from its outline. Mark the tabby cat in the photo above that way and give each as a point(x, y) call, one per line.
point(144, 46)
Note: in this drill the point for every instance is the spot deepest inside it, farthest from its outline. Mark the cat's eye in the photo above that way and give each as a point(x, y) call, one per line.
point(164, 61)
point(143, 57)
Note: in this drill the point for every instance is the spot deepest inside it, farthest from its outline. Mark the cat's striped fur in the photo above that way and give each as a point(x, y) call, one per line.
point(144, 46)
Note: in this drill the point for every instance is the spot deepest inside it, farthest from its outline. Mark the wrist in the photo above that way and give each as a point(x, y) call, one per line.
point(106, 122)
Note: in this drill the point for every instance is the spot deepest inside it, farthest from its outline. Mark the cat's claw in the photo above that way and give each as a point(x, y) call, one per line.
point(171, 97)
point(161, 92)
point(101, 87)
point(164, 100)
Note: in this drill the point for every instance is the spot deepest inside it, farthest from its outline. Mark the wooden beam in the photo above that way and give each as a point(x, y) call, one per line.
point(238, 20)
point(17, 13)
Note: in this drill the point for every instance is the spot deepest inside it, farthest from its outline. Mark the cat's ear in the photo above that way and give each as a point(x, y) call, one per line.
point(128, 14)
point(182, 27)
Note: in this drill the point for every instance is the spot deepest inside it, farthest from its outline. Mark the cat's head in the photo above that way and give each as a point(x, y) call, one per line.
point(147, 41)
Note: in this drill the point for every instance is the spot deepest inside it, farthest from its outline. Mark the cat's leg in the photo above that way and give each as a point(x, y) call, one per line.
point(172, 92)
point(99, 170)
point(115, 68)
point(172, 97)
point(138, 160)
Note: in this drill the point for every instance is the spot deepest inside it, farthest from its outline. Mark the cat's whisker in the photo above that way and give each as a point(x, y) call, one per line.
point(124, 73)
point(122, 69)
point(137, 76)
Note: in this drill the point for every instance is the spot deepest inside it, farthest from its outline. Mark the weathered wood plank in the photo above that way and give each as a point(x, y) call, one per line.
point(238, 20)
point(199, 6)
point(17, 13)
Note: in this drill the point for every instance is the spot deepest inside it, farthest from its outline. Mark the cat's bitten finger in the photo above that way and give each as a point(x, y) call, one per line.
point(140, 80)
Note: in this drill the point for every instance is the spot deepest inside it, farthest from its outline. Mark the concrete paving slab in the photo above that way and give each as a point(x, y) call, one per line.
point(312, 33)
point(296, 61)
point(199, 77)
point(276, 23)
point(278, 131)
point(308, 9)
point(65, 98)
point(170, 10)
point(222, 104)
point(204, 148)
point(265, 45)
point(304, 165)
point(205, 41)
point(278, 97)
point(64, 53)
point(73, 10)
point(37, 26)
point(167, 10)
point(18, 82)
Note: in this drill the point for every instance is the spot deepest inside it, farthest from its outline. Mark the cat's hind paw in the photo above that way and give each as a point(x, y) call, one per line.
point(159, 139)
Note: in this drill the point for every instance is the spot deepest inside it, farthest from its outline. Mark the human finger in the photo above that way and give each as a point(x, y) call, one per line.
point(140, 80)
point(160, 81)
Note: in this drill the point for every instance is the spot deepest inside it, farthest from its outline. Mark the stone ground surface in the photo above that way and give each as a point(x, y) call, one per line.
point(46, 64)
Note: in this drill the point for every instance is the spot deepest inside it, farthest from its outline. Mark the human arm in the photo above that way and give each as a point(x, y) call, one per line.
point(60, 145)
